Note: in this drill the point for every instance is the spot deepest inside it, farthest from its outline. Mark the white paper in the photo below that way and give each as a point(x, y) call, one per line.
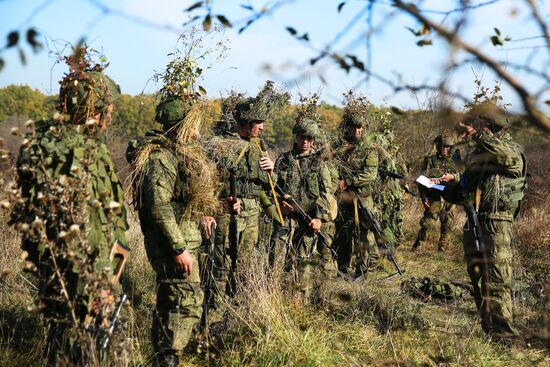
point(425, 181)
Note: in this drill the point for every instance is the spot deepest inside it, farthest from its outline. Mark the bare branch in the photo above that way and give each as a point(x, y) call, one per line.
point(534, 115)
point(540, 22)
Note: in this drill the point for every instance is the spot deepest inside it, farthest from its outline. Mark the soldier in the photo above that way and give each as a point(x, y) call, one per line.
point(175, 185)
point(357, 161)
point(438, 162)
point(241, 156)
point(492, 187)
point(303, 175)
point(70, 212)
point(389, 200)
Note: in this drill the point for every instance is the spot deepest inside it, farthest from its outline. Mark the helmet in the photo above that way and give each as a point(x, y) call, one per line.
point(486, 112)
point(355, 119)
point(88, 94)
point(172, 110)
point(308, 128)
point(250, 110)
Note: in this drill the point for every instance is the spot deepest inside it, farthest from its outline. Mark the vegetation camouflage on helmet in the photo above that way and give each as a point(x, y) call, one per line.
point(85, 94)
point(487, 112)
point(356, 110)
point(262, 106)
point(307, 128)
point(172, 110)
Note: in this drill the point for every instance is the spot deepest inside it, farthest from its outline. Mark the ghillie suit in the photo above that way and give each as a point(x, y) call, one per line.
point(305, 177)
point(389, 199)
point(491, 189)
point(70, 210)
point(238, 159)
point(174, 186)
point(436, 163)
point(357, 161)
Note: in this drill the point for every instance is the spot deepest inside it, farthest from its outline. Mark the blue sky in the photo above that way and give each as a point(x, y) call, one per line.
point(135, 50)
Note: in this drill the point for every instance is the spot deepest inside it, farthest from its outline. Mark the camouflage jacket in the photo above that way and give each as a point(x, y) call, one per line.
point(497, 167)
point(307, 178)
point(67, 177)
point(162, 196)
point(435, 165)
point(231, 152)
point(358, 164)
point(390, 160)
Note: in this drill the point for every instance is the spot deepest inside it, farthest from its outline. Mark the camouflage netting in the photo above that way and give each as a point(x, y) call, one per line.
point(261, 107)
point(432, 288)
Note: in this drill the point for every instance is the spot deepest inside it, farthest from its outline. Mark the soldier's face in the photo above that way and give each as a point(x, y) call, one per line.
point(106, 117)
point(256, 129)
point(446, 150)
point(355, 132)
point(304, 143)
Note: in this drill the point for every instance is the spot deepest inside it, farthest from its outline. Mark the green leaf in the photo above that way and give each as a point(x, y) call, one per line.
point(496, 41)
point(2, 63)
point(207, 23)
point(13, 38)
point(196, 5)
point(497, 31)
point(340, 6)
point(292, 31)
point(202, 90)
point(416, 33)
point(31, 40)
point(397, 110)
point(223, 20)
point(507, 38)
point(22, 56)
point(304, 37)
point(425, 42)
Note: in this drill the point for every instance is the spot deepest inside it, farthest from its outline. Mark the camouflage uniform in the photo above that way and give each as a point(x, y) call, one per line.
point(163, 196)
point(306, 177)
point(495, 175)
point(71, 212)
point(231, 150)
point(389, 199)
point(435, 165)
point(358, 165)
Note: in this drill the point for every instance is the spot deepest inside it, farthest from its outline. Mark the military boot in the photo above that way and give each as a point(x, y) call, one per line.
point(443, 242)
point(169, 360)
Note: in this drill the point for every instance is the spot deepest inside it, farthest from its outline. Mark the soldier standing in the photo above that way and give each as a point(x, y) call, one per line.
point(357, 162)
point(437, 163)
point(241, 158)
point(175, 185)
point(303, 175)
point(491, 188)
point(71, 213)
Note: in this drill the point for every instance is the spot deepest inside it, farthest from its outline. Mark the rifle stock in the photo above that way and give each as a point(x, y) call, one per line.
point(209, 282)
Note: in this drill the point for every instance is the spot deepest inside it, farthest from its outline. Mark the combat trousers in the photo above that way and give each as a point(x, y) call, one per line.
point(490, 271)
point(229, 271)
point(352, 240)
point(179, 305)
point(438, 209)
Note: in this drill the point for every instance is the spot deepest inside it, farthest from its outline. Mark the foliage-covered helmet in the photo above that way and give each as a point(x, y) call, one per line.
point(250, 110)
point(488, 113)
point(356, 111)
point(307, 128)
point(87, 94)
point(172, 110)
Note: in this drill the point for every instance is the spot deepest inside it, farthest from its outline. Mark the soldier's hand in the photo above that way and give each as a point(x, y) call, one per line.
point(447, 177)
point(184, 262)
point(315, 225)
point(286, 208)
point(208, 225)
point(426, 203)
point(342, 184)
point(233, 205)
point(267, 165)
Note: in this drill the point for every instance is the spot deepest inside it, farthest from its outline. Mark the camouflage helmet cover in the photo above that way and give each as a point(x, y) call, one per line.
point(172, 110)
point(307, 128)
point(487, 112)
point(356, 111)
point(250, 110)
point(87, 94)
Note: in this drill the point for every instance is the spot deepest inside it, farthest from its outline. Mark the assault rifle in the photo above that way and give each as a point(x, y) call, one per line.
point(373, 225)
point(209, 269)
point(105, 336)
point(397, 176)
point(304, 217)
point(473, 220)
